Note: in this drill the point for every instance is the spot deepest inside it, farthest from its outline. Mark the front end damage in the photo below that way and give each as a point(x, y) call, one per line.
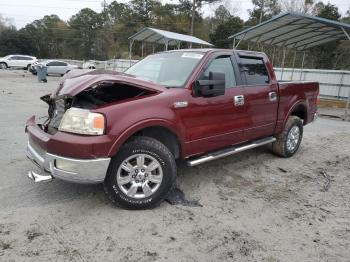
point(74, 156)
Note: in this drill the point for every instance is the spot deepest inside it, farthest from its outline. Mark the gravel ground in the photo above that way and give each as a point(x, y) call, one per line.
point(255, 206)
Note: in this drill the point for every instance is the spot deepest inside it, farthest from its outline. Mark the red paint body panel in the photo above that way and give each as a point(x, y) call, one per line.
point(206, 124)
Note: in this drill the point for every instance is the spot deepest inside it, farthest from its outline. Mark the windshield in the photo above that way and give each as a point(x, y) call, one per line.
point(168, 69)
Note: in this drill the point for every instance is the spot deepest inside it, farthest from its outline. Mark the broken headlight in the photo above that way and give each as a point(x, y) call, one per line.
point(82, 121)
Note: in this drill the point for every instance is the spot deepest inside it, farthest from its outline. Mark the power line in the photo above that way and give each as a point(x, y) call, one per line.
point(45, 7)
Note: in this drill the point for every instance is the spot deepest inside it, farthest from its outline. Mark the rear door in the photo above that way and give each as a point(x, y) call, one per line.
point(14, 61)
point(260, 95)
point(216, 122)
point(61, 68)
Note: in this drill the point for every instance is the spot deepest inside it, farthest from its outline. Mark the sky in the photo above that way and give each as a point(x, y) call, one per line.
point(22, 12)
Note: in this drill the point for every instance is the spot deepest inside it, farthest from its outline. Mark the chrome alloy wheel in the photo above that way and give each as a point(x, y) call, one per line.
point(293, 138)
point(139, 176)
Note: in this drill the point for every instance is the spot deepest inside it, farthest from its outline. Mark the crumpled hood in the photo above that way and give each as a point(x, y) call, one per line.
point(77, 81)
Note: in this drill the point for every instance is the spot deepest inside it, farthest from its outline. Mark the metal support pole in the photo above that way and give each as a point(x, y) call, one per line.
point(142, 46)
point(347, 106)
point(273, 56)
point(283, 59)
point(348, 101)
point(248, 46)
point(130, 50)
point(239, 41)
point(234, 43)
point(153, 48)
point(166, 44)
point(295, 54)
point(302, 66)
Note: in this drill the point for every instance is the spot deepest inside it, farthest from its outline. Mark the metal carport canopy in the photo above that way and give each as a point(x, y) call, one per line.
point(294, 30)
point(152, 35)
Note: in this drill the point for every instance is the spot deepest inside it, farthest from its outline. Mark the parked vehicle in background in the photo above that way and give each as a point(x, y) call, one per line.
point(19, 61)
point(127, 129)
point(55, 67)
point(91, 64)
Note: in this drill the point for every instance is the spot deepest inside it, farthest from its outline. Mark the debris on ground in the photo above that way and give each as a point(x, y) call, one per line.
point(282, 170)
point(327, 178)
point(177, 197)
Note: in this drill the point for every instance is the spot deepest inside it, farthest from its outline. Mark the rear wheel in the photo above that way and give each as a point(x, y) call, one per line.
point(288, 142)
point(141, 175)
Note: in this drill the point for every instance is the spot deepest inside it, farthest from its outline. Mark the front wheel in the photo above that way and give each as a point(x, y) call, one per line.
point(288, 142)
point(141, 175)
point(3, 65)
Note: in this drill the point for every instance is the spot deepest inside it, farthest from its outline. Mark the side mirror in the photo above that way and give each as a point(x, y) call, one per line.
point(215, 86)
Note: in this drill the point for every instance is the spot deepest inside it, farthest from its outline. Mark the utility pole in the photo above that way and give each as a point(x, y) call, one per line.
point(104, 5)
point(262, 11)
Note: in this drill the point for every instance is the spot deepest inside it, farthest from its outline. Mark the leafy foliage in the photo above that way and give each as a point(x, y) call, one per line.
point(92, 35)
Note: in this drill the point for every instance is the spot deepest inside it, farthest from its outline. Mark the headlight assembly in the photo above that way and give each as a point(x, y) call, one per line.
point(82, 121)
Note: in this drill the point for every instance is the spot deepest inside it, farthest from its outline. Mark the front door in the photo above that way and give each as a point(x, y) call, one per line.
point(217, 122)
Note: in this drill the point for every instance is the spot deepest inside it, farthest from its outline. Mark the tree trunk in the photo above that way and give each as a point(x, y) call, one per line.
point(193, 15)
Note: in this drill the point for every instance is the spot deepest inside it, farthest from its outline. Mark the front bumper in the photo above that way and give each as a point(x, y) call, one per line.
point(68, 169)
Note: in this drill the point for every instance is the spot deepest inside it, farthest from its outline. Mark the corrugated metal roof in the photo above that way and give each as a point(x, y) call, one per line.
point(294, 30)
point(153, 35)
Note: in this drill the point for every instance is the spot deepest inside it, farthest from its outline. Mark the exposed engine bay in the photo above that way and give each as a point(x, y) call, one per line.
point(90, 98)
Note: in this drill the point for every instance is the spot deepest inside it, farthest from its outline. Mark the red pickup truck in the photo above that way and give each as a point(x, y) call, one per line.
point(127, 129)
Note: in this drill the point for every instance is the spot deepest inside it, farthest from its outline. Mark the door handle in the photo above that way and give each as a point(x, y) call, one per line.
point(239, 100)
point(272, 96)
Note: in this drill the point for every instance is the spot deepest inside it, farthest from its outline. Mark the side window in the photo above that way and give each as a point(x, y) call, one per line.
point(15, 57)
point(51, 64)
point(222, 64)
point(61, 64)
point(255, 70)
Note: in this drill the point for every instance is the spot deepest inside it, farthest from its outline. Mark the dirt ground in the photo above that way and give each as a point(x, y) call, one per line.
point(255, 206)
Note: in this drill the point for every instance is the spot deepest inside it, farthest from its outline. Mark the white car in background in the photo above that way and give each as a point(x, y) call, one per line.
point(21, 61)
point(56, 67)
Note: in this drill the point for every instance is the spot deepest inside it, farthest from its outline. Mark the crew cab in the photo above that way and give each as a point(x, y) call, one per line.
point(20, 61)
point(126, 130)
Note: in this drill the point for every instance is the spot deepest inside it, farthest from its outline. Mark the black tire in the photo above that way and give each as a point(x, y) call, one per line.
point(280, 147)
point(27, 68)
point(151, 147)
point(3, 65)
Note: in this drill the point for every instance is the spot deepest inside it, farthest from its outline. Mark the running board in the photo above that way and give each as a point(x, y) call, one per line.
point(230, 151)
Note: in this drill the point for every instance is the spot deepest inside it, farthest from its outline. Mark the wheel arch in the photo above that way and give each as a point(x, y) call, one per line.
point(299, 109)
point(4, 63)
point(160, 130)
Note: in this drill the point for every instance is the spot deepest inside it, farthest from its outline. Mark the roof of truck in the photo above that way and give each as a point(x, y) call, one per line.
point(211, 50)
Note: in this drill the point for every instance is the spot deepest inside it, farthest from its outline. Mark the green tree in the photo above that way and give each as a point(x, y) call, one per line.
point(48, 36)
point(84, 34)
point(195, 7)
point(262, 11)
point(13, 41)
point(228, 27)
point(327, 56)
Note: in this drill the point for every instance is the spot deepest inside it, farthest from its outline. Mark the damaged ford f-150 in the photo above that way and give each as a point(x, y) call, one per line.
point(126, 130)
